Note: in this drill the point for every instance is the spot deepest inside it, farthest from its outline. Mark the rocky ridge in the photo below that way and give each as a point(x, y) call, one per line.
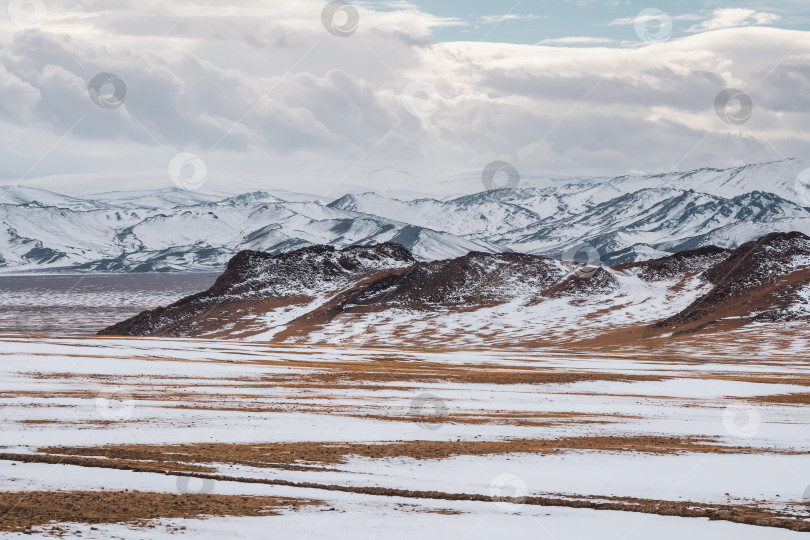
point(297, 294)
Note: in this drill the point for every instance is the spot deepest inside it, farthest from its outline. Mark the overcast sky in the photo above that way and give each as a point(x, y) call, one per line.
point(305, 96)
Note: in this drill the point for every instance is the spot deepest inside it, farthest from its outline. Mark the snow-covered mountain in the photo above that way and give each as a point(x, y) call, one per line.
point(612, 221)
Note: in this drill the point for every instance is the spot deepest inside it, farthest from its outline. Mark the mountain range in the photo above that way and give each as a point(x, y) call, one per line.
point(608, 221)
point(382, 294)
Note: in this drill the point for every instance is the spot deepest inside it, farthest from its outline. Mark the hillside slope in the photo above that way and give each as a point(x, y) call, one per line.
point(257, 284)
point(383, 295)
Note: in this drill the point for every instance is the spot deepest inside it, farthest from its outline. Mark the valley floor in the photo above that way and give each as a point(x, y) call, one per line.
point(146, 438)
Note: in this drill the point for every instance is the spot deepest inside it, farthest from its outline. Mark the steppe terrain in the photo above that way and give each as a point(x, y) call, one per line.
point(148, 437)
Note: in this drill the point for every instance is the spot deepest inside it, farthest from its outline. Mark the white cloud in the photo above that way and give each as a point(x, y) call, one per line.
point(734, 17)
point(575, 40)
point(18, 98)
point(508, 17)
point(629, 21)
point(263, 91)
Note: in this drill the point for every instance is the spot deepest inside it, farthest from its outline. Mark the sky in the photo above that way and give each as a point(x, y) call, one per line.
point(324, 97)
point(604, 22)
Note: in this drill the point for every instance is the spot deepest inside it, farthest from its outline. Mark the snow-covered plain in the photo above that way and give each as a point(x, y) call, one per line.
point(80, 392)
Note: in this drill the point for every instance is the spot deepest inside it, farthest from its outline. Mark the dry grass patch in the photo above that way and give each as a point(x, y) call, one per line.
point(763, 378)
point(513, 418)
point(163, 466)
point(471, 375)
point(298, 454)
point(22, 511)
point(786, 399)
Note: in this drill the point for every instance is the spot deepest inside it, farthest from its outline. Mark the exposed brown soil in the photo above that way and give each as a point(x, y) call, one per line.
point(21, 511)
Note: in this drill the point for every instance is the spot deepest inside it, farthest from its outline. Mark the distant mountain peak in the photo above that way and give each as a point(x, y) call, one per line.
point(623, 219)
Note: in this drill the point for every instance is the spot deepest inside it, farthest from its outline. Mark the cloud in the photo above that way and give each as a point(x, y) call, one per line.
point(575, 40)
point(629, 21)
point(508, 17)
point(264, 92)
point(733, 18)
point(18, 98)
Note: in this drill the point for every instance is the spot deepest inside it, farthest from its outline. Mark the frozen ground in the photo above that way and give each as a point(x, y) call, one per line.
point(660, 425)
point(86, 303)
point(402, 519)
